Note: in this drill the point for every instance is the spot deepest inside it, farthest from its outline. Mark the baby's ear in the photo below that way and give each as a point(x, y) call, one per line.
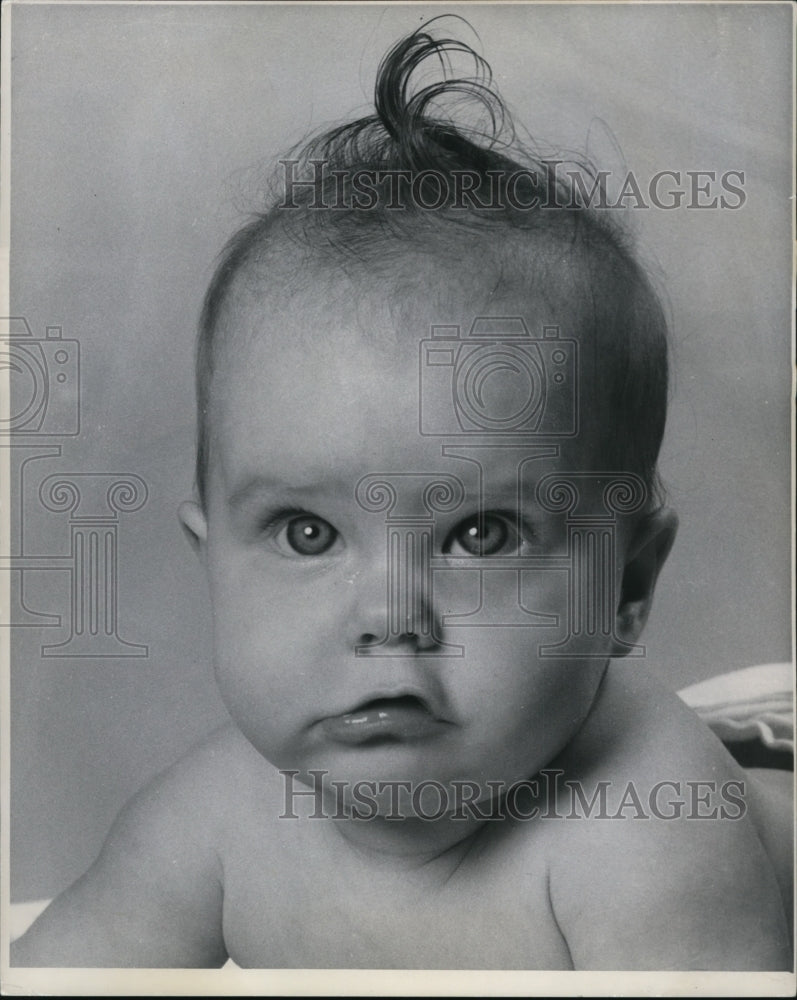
point(194, 524)
point(647, 552)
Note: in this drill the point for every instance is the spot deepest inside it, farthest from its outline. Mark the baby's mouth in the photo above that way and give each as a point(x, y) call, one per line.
point(399, 719)
point(409, 701)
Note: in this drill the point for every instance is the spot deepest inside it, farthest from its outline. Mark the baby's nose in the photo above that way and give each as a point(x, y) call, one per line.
point(395, 605)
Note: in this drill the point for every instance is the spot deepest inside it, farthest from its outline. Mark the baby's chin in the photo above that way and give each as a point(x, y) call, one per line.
point(389, 798)
point(391, 781)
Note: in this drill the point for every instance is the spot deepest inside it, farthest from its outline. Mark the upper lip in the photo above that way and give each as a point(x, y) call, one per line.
point(385, 694)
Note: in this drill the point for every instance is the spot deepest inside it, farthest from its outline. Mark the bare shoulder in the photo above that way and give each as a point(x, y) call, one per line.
point(192, 801)
point(668, 861)
point(154, 895)
point(217, 772)
point(196, 807)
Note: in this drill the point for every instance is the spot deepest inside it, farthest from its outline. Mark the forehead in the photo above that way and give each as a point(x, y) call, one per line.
point(326, 379)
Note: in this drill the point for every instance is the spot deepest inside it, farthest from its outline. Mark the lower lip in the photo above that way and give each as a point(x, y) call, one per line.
point(401, 723)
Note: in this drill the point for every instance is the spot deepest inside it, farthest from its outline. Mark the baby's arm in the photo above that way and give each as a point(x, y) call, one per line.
point(655, 893)
point(673, 894)
point(152, 898)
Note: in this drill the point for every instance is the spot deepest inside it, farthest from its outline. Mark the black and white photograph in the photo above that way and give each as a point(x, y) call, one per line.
point(396, 498)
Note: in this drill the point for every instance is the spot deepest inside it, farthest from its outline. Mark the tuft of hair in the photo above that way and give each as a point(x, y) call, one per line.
point(518, 208)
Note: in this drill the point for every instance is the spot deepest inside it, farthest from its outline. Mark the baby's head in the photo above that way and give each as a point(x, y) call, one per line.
point(421, 379)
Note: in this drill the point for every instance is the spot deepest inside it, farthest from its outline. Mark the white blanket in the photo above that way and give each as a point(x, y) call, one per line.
point(754, 703)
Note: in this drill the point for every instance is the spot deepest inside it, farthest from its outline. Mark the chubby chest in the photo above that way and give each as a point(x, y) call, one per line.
point(300, 907)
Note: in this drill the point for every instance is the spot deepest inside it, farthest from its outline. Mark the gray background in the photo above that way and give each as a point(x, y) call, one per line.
point(140, 139)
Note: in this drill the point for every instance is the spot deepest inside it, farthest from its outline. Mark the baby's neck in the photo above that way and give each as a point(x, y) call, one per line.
point(410, 844)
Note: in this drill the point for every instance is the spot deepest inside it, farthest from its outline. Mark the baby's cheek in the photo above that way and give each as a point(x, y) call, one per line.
point(270, 635)
point(258, 686)
point(455, 592)
point(503, 595)
point(503, 675)
point(252, 596)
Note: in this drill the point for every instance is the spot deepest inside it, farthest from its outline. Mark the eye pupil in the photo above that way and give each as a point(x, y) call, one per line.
point(310, 536)
point(484, 536)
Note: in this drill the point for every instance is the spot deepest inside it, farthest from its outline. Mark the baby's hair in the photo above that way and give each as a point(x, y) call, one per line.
point(533, 226)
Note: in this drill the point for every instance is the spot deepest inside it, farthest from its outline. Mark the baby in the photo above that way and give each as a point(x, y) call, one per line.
point(432, 387)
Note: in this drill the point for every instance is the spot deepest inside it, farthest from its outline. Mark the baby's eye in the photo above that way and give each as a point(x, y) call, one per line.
point(484, 535)
point(303, 534)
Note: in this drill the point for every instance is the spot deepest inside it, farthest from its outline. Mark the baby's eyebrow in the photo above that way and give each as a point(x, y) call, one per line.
point(505, 490)
point(256, 487)
point(251, 489)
